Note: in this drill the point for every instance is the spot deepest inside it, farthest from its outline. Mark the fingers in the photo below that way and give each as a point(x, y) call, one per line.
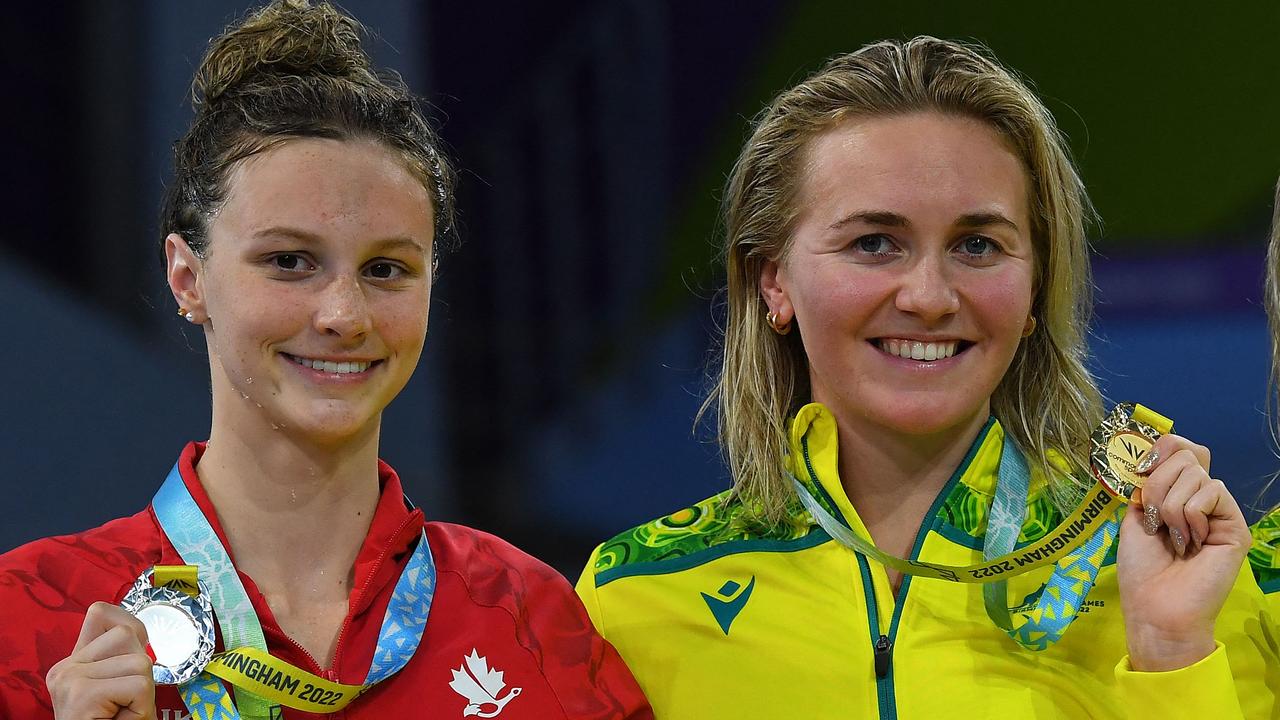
point(102, 617)
point(1166, 489)
point(109, 672)
point(1167, 446)
point(1179, 495)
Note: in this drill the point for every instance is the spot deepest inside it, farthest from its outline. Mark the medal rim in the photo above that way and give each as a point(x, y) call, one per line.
point(197, 609)
point(1119, 422)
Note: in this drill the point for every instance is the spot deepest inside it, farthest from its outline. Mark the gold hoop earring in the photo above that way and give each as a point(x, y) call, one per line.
point(1030, 327)
point(780, 328)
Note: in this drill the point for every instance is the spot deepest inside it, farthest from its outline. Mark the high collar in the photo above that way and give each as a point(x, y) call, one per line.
point(392, 532)
point(814, 461)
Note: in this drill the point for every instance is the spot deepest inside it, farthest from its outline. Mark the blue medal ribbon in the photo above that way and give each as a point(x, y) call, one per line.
point(193, 537)
point(1058, 602)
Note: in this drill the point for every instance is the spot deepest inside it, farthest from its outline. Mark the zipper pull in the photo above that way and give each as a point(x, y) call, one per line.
point(884, 656)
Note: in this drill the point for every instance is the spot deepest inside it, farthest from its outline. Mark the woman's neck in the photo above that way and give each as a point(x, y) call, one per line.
point(892, 478)
point(295, 514)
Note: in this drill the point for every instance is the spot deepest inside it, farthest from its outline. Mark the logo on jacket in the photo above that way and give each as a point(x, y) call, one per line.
point(729, 601)
point(481, 686)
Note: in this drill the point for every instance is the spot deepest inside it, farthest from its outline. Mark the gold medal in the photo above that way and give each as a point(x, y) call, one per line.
point(1120, 443)
point(179, 623)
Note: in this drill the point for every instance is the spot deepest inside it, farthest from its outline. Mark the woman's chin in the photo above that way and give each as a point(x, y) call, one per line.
point(922, 418)
point(327, 426)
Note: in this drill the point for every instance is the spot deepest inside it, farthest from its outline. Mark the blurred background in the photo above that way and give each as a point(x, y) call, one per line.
point(571, 333)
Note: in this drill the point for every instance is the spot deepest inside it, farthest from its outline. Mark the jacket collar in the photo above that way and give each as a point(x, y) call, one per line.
point(391, 535)
point(814, 461)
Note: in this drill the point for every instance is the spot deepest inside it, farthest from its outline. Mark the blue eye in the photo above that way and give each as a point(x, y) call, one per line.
point(874, 244)
point(978, 246)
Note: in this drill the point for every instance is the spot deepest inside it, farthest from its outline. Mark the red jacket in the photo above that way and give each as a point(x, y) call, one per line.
point(514, 611)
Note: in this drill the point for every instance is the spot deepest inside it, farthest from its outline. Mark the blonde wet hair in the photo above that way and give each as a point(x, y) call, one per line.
point(1272, 301)
point(1047, 400)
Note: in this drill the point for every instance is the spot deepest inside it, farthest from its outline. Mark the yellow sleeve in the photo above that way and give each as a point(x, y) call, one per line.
point(586, 589)
point(1203, 690)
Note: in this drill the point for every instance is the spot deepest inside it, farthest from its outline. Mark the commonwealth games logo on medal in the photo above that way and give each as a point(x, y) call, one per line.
point(1119, 444)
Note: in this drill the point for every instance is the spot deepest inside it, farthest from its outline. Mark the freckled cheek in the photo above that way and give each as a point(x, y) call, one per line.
point(402, 325)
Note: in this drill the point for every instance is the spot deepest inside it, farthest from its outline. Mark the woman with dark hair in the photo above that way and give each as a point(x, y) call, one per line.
point(280, 571)
point(926, 487)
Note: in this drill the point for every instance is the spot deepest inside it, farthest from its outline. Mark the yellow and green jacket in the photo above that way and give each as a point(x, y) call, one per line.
point(718, 619)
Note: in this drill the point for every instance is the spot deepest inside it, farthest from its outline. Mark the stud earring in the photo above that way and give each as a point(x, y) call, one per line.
point(187, 314)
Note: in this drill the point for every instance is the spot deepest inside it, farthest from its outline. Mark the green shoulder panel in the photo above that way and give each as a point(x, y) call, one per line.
point(687, 538)
point(963, 519)
point(965, 510)
point(1264, 554)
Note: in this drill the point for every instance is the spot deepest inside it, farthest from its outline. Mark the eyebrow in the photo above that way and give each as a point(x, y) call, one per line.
point(872, 217)
point(390, 243)
point(984, 219)
point(886, 218)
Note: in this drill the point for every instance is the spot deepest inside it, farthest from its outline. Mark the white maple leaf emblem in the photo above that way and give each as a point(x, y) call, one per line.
point(480, 685)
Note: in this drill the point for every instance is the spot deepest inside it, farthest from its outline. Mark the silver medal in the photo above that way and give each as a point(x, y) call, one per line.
point(180, 629)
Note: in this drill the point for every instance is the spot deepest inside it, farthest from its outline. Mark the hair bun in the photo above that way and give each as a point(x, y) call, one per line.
point(286, 38)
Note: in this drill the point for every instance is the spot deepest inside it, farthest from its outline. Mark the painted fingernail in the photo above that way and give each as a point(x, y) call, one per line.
point(1196, 542)
point(1148, 461)
point(1150, 519)
point(1179, 543)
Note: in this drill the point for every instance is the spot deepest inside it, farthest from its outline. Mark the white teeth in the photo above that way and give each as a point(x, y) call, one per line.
point(916, 350)
point(340, 368)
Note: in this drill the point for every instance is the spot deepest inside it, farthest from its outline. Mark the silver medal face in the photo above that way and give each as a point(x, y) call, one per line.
point(179, 627)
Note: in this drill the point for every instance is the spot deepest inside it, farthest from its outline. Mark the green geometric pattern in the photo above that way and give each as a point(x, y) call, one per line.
point(1264, 554)
point(713, 522)
point(722, 519)
point(966, 509)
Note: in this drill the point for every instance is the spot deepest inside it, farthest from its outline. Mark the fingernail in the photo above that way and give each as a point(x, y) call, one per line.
point(1196, 542)
point(1147, 462)
point(1150, 519)
point(1179, 543)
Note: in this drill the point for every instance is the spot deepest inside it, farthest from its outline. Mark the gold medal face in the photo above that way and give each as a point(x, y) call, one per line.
point(1119, 444)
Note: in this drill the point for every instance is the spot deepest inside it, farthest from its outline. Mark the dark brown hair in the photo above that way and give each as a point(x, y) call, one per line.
point(287, 71)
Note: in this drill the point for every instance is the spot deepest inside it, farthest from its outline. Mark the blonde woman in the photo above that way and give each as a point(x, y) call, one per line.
point(903, 389)
point(1264, 556)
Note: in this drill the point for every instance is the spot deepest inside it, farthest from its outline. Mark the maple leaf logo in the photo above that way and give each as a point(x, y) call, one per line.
point(480, 685)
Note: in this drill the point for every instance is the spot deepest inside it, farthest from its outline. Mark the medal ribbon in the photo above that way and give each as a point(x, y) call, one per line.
point(1077, 547)
point(264, 680)
point(1059, 600)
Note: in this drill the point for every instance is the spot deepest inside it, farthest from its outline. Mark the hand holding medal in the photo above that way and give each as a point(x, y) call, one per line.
point(1181, 546)
point(109, 672)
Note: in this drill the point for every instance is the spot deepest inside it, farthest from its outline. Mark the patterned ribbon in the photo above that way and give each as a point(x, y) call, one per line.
point(1077, 561)
point(205, 696)
point(1058, 601)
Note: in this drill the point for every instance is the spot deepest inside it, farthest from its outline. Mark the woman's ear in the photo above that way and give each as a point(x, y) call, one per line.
point(773, 290)
point(183, 271)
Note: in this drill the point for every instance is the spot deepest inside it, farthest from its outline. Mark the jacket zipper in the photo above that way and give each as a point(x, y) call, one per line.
point(332, 674)
point(881, 644)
